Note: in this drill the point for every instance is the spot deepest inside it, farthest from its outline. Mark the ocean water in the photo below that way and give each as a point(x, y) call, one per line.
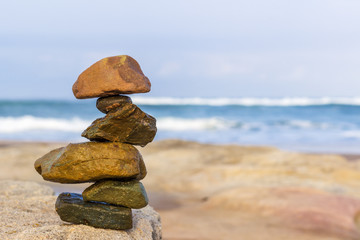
point(300, 124)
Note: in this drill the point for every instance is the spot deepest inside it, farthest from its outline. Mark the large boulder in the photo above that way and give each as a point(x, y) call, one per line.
point(111, 76)
point(27, 212)
point(316, 194)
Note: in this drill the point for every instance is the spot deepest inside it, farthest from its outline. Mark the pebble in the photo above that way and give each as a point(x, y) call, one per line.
point(106, 104)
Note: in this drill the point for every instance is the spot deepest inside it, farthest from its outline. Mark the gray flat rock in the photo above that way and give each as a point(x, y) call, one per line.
point(73, 209)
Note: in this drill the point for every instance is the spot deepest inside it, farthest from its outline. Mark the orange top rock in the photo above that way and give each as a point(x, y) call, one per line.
point(111, 76)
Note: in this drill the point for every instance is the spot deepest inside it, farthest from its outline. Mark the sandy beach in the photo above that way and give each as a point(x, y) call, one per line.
point(231, 192)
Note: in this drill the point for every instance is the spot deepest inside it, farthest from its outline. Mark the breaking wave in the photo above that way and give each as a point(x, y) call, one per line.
point(182, 124)
point(30, 123)
point(18, 126)
point(280, 102)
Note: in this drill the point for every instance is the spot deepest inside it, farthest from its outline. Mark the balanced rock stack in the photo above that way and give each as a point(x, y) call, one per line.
point(109, 159)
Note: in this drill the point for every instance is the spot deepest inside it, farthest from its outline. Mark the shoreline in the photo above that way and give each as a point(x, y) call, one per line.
point(348, 156)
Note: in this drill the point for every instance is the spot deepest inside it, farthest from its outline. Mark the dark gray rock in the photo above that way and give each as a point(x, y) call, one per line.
point(72, 208)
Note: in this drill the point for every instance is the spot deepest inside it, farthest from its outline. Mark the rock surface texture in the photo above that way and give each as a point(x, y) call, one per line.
point(317, 195)
point(27, 212)
point(111, 76)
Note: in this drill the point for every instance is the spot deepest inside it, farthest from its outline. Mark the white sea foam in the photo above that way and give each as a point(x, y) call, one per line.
point(216, 123)
point(29, 123)
point(182, 124)
point(281, 102)
point(305, 124)
point(352, 134)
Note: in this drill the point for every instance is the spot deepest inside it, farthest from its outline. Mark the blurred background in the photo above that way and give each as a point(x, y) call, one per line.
point(248, 72)
point(228, 77)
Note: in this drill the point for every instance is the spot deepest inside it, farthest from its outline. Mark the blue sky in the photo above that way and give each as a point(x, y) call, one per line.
point(258, 48)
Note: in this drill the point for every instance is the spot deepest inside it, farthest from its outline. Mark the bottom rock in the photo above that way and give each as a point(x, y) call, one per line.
point(72, 208)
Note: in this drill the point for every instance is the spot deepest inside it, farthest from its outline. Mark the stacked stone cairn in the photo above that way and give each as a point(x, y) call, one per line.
point(109, 159)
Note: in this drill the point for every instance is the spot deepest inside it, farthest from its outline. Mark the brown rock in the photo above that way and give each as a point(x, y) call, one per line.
point(143, 170)
point(91, 161)
point(127, 124)
point(106, 104)
point(111, 76)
